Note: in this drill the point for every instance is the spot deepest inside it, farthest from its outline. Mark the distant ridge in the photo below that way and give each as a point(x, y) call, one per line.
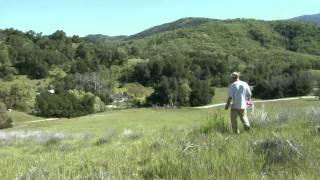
point(103, 38)
point(308, 18)
point(181, 23)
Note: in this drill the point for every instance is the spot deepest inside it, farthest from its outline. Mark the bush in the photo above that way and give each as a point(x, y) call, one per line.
point(201, 93)
point(19, 96)
point(70, 104)
point(5, 120)
point(284, 85)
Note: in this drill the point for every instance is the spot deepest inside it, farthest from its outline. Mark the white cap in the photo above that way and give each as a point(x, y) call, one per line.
point(235, 74)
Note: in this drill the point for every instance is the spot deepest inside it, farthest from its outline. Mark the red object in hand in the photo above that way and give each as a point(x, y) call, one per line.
point(250, 106)
point(249, 103)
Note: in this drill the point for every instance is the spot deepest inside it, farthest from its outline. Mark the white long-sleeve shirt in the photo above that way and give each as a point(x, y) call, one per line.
point(239, 91)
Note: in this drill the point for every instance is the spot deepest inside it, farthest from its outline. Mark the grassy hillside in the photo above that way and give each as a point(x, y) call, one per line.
point(36, 83)
point(181, 23)
point(234, 36)
point(266, 52)
point(143, 120)
point(167, 144)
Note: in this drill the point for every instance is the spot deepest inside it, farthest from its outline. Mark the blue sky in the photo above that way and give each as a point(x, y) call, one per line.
point(126, 17)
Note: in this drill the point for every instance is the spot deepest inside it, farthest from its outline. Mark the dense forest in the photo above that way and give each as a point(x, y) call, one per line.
point(181, 61)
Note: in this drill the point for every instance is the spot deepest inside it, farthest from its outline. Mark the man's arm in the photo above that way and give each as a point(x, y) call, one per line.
point(228, 103)
point(249, 93)
point(230, 95)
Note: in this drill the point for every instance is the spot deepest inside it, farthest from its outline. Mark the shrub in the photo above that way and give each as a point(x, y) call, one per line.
point(201, 93)
point(70, 104)
point(18, 96)
point(284, 85)
point(5, 120)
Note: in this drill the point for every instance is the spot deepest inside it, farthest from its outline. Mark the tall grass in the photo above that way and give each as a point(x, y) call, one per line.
point(208, 151)
point(215, 122)
point(259, 117)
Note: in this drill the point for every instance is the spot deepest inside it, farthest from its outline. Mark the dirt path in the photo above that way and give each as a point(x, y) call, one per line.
point(260, 101)
point(43, 120)
point(201, 107)
point(56, 119)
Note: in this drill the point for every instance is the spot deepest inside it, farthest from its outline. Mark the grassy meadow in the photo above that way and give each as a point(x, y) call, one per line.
point(160, 143)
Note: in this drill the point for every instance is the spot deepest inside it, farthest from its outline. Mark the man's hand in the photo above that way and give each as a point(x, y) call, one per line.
point(226, 107)
point(228, 103)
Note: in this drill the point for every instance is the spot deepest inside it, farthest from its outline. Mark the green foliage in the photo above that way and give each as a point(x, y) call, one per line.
point(201, 93)
point(182, 23)
point(171, 91)
point(99, 83)
point(7, 72)
point(35, 55)
point(137, 90)
point(18, 96)
point(184, 52)
point(6, 69)
point(264, 51)
point(57, 74)
point(59, 35)
point(5, 120)
point(71, 104)
point(300, 36)
point(162, 94)
point(285, 85)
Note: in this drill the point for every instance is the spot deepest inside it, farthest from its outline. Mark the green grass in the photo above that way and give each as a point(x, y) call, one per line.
point(132, 62)
point(24, 79)
point(165, 144)
point(21, 117)
point(220, 96)
point(143, 119)
point(315, 72)
point(136, 119)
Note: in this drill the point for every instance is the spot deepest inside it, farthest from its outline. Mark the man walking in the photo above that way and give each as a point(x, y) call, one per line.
point(239, 94)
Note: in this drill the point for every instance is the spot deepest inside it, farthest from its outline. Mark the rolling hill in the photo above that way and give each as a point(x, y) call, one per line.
point(188, 49)
point(181, 23)
point(229, 36)
point(309, 18)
